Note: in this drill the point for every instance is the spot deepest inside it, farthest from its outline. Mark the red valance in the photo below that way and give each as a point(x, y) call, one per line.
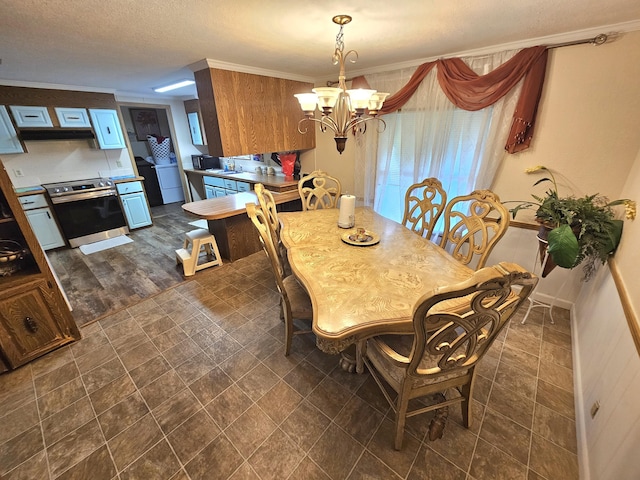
point(470, 91)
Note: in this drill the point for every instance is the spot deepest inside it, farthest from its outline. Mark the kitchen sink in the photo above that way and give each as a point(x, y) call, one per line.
point(225, 172)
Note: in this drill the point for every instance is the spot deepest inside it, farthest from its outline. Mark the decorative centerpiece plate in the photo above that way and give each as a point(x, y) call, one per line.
point(365, 240)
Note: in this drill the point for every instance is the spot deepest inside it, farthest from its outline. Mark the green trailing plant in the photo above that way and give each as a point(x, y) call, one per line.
point(581, 229)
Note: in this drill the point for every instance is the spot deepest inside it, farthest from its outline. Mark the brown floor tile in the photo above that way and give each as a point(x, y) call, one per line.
point(149, 371)
point(336, 452)
point(304, 378)
point(161, 388)
point(512, 405)
point(506, 435)
point(556, 375)
point(277, 457)
point(66, 421)
point(490, 462)
point(56, 378)
point(257, 382)
point(52, 361)
point(359, 419)
point(382, 446)
point(99, 355)
point(220, 453)
point(103, 375)
point(228, 406)
point(305, 425)
point(558, 355)
point(279, 402)
point(19, 420)
point(193, 435)
point(107, 396)
point(516, 379)
point(254, 420)
point(158, 463)
point(515, 357)
point(97, 466)
point(33, 468)
point(239, 364)
point(456, 445)
point(329, 397)
point(135, 357)
point(122, 415)
point(75, 447)
point(431, 466)
point(210, 385)
point(134, 441)
point(61, 397)
point(370, 467)
point(176, 410)
point(550, 461)
point(245, 472)
point(20, 448)
point(555, 428)
point(556, 398)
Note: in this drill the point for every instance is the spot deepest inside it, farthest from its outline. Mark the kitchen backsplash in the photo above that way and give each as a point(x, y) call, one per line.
point(63, 160)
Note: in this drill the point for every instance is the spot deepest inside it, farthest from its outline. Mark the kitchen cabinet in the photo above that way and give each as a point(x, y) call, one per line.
point(134, 204)
point(192, 109)
point(244, 113)
point(34, 316)
point(194, 128)
point(9, 142)
point(106, 125)
point(27, 116)
point(72, 117)
point(42, 221)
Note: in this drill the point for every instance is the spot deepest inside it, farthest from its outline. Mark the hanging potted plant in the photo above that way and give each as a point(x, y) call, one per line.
point(574, 230)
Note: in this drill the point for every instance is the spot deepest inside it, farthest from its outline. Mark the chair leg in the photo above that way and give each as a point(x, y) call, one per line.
point(288, 333)
point(402, 404)
point(467, 404)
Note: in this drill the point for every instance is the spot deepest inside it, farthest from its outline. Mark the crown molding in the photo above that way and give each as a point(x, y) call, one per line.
point(234, 67)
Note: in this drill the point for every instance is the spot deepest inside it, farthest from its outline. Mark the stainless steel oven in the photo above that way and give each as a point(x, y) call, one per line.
point(87, 210)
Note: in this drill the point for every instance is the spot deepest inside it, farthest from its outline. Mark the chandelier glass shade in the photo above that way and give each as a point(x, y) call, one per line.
point(342, 110)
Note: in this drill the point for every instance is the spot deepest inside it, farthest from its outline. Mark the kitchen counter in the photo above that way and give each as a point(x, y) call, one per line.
point(276, 183)
point(228, 221)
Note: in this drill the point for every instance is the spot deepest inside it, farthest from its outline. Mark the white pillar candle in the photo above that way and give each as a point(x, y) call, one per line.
point(347, 216)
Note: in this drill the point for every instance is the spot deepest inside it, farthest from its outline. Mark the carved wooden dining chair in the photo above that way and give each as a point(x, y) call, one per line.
point(424, 202)
point(473, 224)
point(295, 302)
point(319, 190)
point(437, 362)
point(268, 206)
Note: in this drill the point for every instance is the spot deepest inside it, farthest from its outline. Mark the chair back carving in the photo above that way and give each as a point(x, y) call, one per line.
point(262, 223)
point(424, 202)
point(454, 342)
point(473, 224)
point(268, 206)
point(324, 191)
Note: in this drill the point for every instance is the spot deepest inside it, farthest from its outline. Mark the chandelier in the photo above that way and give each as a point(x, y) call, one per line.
point(343, 110)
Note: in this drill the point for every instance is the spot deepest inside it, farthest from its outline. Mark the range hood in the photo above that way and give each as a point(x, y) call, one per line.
point(56, 134)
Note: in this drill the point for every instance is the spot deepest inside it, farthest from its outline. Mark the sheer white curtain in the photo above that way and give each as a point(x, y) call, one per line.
point(430, 137)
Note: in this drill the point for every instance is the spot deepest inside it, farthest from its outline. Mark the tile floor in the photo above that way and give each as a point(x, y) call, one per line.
point(193, 384)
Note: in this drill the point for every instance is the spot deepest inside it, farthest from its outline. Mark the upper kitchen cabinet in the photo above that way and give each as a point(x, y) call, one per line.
point(27, 116)
point(9, 142)
point(192, 109)
point(107, 127)
point(244, 113)
point(72, 117)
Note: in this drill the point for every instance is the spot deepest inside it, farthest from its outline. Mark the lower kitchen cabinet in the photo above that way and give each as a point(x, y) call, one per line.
point(134, 204)
point(42, 221)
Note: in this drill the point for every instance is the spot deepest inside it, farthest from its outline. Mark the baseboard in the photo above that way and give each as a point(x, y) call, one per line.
point(578, 400)
point(557, 302)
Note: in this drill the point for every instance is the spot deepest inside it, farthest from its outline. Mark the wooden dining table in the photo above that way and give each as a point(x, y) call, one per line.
point(360, 291)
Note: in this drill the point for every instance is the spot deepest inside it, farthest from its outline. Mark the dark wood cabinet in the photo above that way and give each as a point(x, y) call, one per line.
point(245, 114)
point(34, 316)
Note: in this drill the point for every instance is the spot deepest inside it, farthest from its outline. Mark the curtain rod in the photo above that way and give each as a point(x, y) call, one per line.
point(597, 40)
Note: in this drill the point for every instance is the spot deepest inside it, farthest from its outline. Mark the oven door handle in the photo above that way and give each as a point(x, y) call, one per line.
point(75, 197)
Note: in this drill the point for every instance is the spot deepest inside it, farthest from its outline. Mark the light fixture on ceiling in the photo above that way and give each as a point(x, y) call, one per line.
point(342, 110)
point(173, 86)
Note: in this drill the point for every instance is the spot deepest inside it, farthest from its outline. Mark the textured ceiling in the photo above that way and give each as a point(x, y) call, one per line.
point(130, 47)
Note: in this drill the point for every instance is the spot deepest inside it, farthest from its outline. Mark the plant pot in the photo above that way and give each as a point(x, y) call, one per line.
point(549, 264)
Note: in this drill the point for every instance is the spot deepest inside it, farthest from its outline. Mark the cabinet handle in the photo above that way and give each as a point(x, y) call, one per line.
point(48, 216)
point(31, 116)
point(30, 324)
point(108, 130)
point(28, 203)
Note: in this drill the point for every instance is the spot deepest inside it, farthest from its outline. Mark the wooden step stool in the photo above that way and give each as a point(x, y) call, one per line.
point(202, 241)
